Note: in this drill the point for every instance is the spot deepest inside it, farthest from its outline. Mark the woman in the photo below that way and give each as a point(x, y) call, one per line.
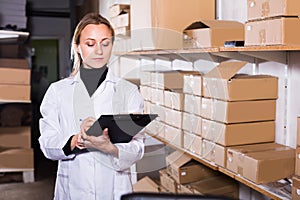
point(69, 108)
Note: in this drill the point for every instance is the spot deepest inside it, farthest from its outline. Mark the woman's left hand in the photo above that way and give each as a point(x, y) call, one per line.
point(102, 143)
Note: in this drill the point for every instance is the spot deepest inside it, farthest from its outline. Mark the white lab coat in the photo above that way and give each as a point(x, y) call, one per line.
point(93, 175)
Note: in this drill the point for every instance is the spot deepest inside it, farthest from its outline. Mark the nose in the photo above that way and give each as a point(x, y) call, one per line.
point(99, 48)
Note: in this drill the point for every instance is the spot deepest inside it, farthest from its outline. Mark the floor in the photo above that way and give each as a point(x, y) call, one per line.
point(12, 187)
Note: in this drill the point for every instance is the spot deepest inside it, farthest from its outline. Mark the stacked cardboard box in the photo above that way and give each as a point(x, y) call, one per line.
point(296, 177)
point(163, 94)
point(272, 22)
point(185, 175)
point(236, 110)
point(13, 14)
point(120, 19)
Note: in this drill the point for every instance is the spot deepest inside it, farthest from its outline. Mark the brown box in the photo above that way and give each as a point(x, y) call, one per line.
point(278, 31)
point(158, 24)
point(122, 20)
point(214, 33)
point(298, 131)
point(297, 168)
point(238, 134)
point(145, 184)
point(192, 84)
point(184, 189)
point(117, 9)
point(296, 188)
point(13, 63)
point(11, 158)
point(261, 9)
point(174, 99)
point(192, 104)
point(14, 92)
point(173, 135)
point(173, 118)
point(167, 181)
point(157, 96)
point(186, 170)
point(192, 123)
point(14, 76)
point(214, 153)
point(238, 111)
point(223, 83)
point(192, 143)
point(217, 186)
point(262, 163)
point(15, 137)
point(169, 80)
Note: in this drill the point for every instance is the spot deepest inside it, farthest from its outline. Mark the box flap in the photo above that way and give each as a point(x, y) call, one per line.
point(225, 70)
point(215, 24)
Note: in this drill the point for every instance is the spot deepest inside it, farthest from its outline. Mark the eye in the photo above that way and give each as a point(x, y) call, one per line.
point(106, 43)
point(90, 44)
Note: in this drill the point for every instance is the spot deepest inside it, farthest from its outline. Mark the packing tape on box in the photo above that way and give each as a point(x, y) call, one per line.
point(265, 9)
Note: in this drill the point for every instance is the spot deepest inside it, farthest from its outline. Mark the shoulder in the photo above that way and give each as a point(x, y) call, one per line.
point(62, 84)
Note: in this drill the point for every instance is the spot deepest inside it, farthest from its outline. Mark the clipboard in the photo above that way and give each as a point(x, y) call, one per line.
point(121, 127)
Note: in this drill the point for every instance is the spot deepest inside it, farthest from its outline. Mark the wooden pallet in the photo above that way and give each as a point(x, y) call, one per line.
point(25, 175)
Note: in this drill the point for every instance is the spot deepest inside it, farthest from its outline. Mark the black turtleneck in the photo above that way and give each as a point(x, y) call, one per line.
point(91, 78)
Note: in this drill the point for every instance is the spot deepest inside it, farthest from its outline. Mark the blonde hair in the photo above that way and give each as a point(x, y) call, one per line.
point(90, 18)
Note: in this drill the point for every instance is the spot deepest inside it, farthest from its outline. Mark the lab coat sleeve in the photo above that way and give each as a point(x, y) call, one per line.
point(52, 139)
point(131, 152)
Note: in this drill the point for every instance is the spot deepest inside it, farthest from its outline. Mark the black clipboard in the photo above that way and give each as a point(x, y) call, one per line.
point(121, 127)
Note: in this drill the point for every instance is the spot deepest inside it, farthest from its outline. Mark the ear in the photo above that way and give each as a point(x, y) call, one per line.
point(77, 48)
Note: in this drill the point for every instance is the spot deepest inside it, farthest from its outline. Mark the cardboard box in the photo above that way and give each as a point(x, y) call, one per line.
point(167, 181)
point(122, 20)
point(117, 9)
point(186, 170)
point(160, 110)
point(238, 111)
point(223, 83)
point(13, 63)
point(14, 76)
point(145, 184)
point(298, 131)
point(278, 31)
point(173, 136)
point(192, 123)
point(146, 92)
point(297, 168)
point(214, 33)
point(238, 134)
point(174, 99)
point(296, 188)
point(262, 163)
point(217, 186)
point(184, 189)
point(169, 80)
point(157, 24)
point(192, 84)
point(19, 137)
point(14, 92)
point(262, 9)
point(11, 158)
point(156, 128)
point(157, 96)
point(173, 118)
point(192, 143)
point(214, 153)
point(192, 104)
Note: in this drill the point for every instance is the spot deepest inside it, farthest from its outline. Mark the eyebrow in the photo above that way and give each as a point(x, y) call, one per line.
point(101, 40)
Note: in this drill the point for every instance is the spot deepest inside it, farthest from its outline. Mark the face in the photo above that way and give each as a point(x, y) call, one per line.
point(95, 45)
